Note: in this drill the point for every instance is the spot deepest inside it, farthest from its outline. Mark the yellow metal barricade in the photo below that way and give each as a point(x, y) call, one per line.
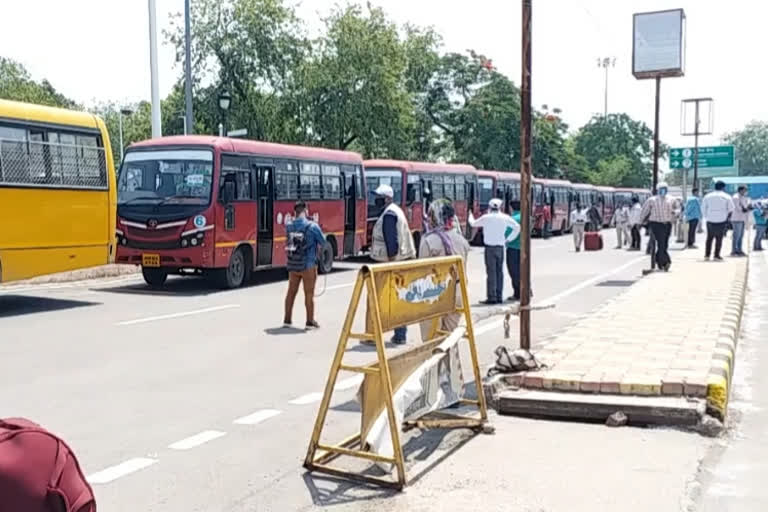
point(398, 294)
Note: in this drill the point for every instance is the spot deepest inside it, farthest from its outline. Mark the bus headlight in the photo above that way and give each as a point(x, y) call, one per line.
point(184, 242)
point(193, 242)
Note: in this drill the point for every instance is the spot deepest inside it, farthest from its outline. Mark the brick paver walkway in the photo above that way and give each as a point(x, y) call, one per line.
point(661, 337)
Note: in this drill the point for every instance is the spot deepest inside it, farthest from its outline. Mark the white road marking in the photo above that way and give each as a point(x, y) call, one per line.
point(257, 417)
point(495, 324)
point(196, 440)
point(178, 315)
point(307, 399)
point(124, 468)
point(350, 383)
point(339, 286)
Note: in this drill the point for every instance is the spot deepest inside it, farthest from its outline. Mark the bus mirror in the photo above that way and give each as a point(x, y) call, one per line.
point(227, 194)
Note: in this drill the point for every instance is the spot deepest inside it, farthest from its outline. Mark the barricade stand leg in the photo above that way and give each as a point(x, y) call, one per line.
point(386, 382)
point(334, 372)
point(472, 347)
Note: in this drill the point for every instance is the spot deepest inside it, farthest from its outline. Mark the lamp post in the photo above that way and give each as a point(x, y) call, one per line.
point(225, 100)
point(123, 112)
point(605, 63)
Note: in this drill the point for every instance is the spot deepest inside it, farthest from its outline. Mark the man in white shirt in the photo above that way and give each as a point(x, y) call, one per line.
point(717, 208)
point(495, 224)
point(579, 218)
point(741, 212)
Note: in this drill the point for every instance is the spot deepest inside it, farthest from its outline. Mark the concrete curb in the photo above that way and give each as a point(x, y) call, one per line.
point(724, 356)
point(86, 274)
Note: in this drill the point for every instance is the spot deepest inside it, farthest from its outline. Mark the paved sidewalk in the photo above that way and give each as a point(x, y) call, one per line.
point(669, 334)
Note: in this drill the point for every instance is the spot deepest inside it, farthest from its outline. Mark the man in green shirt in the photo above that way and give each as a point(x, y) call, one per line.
point(513, 251)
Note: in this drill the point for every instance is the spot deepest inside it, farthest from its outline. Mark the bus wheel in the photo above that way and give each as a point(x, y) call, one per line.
point(154, 277)
point(325, 259)
point(234, 275)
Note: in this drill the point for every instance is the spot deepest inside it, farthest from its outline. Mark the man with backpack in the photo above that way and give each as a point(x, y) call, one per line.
point(304, 239)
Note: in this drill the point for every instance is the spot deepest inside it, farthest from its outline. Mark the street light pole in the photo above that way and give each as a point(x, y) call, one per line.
point(525, 179)
point(605, 63)
point(157, 128)
point(189, 120)
point(696, 147)
point(123, 112)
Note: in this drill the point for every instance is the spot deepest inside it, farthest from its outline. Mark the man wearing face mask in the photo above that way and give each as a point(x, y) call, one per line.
point(392, 239)
point(660, 212)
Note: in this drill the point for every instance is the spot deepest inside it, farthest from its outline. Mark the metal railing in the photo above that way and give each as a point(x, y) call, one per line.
point(45, 164)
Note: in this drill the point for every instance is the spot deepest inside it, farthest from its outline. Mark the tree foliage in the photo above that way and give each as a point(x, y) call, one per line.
point(605, 139)
point(17, 84)
point(751, 145)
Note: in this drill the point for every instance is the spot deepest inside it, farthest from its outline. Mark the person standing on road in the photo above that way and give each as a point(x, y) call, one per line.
point(761, 223)
point(595, 219)
point(304, 240)
point(717, 208)
point(442, 239)
point(513, 251)
point(621, 222)
point(579, 218)
point(739, 218)
point(494, 224)
point(635, 221)
point(392, 240)
point(660, 212)
point(692, 217)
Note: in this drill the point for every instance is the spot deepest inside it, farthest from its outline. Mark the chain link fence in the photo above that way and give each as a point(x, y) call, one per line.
point(45, 164)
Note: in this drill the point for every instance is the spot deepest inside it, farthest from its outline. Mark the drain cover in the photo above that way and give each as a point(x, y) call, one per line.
point(616, 283)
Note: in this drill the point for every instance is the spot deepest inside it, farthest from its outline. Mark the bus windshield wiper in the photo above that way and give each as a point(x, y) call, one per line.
point(180, 196)
point(141, 198)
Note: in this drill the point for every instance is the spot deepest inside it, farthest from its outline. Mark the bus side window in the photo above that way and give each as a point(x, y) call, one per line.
point(235, 169)
point(309, 181)
point(413, 189)
point(286, 180)
point(331, 182)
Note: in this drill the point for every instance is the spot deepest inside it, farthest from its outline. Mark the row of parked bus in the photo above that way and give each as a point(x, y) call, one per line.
point(212, 205)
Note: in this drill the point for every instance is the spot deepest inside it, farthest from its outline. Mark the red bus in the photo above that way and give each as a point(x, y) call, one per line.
point(557, 196)
point(415, 185)
point(219, 206)
point(605, 197)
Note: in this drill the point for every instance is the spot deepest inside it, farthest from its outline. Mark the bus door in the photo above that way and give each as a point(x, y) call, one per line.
point(265, 193)
point(350, 203)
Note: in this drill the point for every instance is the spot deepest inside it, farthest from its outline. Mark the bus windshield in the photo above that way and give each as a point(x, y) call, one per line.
point(374, 178)
point(167, 176)
point(486, 192)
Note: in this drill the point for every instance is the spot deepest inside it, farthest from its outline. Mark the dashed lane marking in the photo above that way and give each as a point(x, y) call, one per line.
point(124, 468)
point(307, 399)
point(257, 417)
point(178, 315)
point(197, 440)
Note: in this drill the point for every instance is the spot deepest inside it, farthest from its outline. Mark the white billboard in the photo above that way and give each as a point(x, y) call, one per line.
point(658, 45)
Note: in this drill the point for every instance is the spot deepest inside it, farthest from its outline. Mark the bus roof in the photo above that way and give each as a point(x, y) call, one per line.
point(605, 189)
point(584, 186)
point(255, 148)
point(555, 183)
point(43, 114)
point(409, 166)
point(743, 180)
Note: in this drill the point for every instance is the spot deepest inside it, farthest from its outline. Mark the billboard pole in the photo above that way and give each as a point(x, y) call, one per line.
point(656, 137)
point(525, 180)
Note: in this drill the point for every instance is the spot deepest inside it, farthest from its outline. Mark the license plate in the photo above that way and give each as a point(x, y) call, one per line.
point(150, 260)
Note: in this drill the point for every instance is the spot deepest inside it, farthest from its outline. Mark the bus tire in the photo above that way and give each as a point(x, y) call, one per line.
point(325, 258)
point(154, 277)
point(236, 273)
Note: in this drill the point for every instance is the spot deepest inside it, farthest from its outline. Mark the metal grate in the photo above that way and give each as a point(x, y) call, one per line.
point(617, 283)
point(45, 164)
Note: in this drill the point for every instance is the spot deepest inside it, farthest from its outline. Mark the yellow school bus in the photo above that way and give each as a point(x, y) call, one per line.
point(57, 191)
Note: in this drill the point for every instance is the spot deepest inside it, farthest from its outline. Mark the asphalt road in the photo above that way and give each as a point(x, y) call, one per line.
point(197, 400)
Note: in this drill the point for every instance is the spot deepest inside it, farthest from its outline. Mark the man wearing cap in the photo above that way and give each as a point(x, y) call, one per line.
point(660, 211)
point(392, 240)
point(495, 224)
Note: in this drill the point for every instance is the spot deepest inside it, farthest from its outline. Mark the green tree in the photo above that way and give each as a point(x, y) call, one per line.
point(251, 48)
point(352, 89)
point(17, 84)
point(751, 145)
point(605, 138)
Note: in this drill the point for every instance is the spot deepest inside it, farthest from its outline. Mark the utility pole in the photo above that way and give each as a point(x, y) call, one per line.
point(189, 120)
point(606, 62)
point(157, 128)
point(656, 137)
point(525, 180)
point(696, 146)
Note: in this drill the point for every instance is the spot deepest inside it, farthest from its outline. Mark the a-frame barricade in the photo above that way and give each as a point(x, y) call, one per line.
point(398, 294)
